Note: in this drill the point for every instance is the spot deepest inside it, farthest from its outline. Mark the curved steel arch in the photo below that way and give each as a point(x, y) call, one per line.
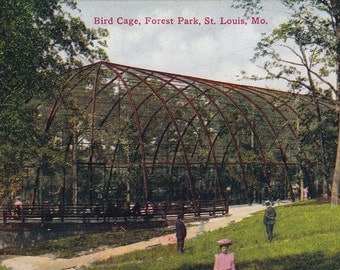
point(198, 114)
point(168, 94)
point(180, 141)
point(276, 137)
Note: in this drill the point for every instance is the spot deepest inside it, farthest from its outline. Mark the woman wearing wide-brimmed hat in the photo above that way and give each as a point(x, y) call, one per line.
point(224, 260)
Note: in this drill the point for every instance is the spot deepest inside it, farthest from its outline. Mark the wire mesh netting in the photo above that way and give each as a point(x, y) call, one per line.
point(148, 135)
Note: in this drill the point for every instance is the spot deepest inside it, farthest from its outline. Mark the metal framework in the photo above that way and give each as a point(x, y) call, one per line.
point(161, 133)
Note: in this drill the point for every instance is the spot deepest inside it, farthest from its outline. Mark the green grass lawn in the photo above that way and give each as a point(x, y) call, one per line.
point(307, 236)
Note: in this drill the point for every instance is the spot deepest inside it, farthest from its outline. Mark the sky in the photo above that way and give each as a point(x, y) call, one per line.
point(206, 39)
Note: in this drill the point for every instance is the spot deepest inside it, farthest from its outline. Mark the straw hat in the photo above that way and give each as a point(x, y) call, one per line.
point(225, 242)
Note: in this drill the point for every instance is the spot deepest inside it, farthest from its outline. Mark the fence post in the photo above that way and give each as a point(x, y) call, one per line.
point(4, 215)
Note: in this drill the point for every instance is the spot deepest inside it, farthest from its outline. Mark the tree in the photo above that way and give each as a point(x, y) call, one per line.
point(305, 52)
point(40, 42)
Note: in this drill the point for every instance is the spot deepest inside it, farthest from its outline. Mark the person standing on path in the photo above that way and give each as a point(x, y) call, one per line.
point(224, 260)
point(269, 220)
point(181, 233)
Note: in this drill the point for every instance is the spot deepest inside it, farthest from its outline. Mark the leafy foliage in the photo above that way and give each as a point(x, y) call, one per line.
point(301, 51)
point(40, 43)
point(305, 52)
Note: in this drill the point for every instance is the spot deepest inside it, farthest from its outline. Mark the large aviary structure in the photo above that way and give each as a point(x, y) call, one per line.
point(141, 135)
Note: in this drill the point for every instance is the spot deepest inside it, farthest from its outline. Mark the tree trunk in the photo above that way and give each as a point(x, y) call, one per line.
point(324, 171)
point(74, 170)
point(336, 176)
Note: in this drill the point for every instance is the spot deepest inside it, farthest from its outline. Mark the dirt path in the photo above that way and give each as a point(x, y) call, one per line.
point(237, 213)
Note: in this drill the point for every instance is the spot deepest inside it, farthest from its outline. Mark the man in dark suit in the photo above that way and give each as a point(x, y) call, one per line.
point(181, 233)
point(269, 219)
